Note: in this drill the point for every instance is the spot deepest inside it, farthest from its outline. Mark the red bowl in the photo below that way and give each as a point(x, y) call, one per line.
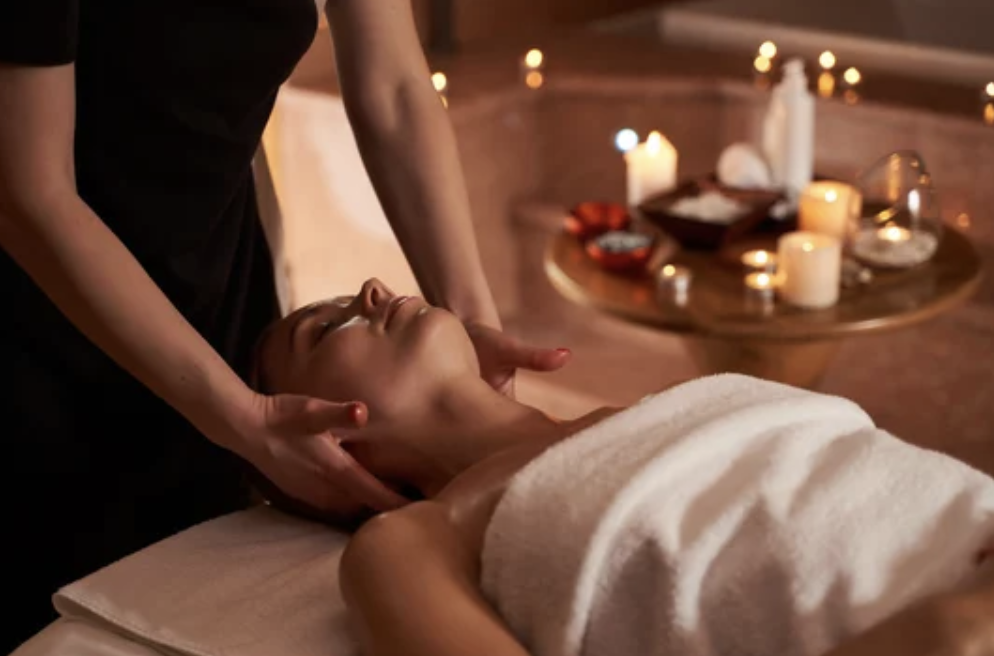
point(629, 260)
point(592, 219)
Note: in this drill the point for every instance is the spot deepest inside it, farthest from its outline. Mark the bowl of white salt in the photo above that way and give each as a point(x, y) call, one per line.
point(704, 214)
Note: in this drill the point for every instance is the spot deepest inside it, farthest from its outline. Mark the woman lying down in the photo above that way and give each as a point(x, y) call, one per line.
point(724, 516)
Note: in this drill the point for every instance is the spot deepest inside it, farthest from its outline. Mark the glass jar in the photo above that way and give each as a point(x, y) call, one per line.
point(899, 225)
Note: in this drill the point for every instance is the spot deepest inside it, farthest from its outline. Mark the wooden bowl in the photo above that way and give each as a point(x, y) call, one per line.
point(705, 235)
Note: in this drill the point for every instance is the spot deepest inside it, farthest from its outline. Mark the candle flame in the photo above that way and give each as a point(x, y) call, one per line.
point(990, 89)
point(894, 233)
point(439, 81)
point(827, 60)
point(807, 247)
point(534, 58)
point(763, 64)
point(852, 76)
point(654, 142)
point(768, 50)
point(831, 195)
point(764, 280)
point(669, 271)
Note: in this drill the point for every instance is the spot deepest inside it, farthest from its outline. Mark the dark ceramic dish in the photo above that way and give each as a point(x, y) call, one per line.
point(705, 235)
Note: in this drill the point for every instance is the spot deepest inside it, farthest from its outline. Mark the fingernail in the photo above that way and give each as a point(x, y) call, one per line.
point(564, 351)
point(356, 411)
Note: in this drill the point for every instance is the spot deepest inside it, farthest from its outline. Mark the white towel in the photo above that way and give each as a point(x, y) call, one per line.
point(254, 583)
point(728, 516)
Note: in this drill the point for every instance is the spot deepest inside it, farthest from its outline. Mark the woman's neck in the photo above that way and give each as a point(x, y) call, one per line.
point(464, 423)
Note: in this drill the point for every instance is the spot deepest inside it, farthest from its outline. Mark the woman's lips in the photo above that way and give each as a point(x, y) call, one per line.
point(392, 309)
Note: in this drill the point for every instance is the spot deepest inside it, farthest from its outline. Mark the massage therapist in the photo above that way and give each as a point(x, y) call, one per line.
point(135, 274)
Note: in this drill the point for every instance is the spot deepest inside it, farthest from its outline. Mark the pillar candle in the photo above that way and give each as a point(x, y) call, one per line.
point(809, 269)
point(829, 208)
point(651, 169)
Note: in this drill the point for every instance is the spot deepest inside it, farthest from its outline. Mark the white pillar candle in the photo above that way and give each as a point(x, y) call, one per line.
point(809, 269)
point(651, 169)
point(829, 208)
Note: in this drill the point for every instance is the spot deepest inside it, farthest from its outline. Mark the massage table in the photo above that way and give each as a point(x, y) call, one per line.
point(253, 583)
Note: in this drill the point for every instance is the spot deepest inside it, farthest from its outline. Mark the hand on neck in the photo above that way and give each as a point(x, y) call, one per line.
point(452, 427)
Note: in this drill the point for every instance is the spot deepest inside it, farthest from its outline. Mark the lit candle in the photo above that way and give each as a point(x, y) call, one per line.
point(988, 94)
point(850, 81)
point(989, 114)
point(809, 270)
point(768, 50)
point(759, 260)
point(532, 65)
point(893, 234)
point(651, 169)
point(674, 282)
point(829, 208)
point(441, 84)
point(760, 287)
point(826, 81)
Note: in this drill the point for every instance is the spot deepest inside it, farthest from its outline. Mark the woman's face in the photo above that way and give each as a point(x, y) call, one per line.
point(384, 350)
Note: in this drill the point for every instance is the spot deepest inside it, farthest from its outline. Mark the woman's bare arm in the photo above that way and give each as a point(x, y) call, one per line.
point(410, 585)
point(408, 146)
point(82, 266)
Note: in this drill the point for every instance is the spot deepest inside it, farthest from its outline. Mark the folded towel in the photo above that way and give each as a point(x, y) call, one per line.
point(254, 583)
point(728, 516)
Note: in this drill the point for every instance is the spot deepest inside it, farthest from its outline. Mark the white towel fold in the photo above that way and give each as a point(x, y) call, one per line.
point(254, 583)
point(728, 516)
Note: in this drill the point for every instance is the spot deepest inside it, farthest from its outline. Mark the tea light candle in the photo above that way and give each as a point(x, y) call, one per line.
point(760, 286)
point(531, 68)
point(674, 281)
point(651, 168)
point(759, 260)
point(893, 234)
point(809, 271)
point(829, 208)
point(441, 83)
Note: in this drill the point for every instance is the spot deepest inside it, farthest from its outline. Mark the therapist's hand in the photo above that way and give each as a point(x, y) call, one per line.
point(501, 356)
point(296, 445)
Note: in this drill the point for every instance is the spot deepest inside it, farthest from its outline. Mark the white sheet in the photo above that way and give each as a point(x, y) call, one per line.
point(254, 583)
point(728, 516)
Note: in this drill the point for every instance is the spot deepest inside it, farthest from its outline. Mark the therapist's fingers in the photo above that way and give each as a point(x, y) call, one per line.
point(351, 477)
point(538, 359)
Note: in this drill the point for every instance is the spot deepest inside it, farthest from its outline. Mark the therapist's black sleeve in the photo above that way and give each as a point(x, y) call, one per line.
point(39, 32)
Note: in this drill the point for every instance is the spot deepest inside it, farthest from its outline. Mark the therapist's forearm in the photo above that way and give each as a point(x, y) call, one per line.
point(96, 282)
point(410, 152)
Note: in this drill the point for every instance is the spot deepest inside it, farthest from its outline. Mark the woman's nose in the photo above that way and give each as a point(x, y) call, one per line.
point(373, 294)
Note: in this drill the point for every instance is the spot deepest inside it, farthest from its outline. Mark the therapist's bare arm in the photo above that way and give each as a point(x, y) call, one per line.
point(410, 585)
point(409, 149)
point(82, 266)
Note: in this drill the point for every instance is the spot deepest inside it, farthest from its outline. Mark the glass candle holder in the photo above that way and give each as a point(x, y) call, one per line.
point(673, 283)
point(759, 260)
point(899, 226)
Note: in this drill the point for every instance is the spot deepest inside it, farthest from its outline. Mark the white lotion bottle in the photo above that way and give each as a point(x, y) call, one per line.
point(789, 131)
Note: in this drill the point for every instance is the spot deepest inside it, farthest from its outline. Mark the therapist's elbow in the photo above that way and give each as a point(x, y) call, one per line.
point(379, 111)
point(25, 202)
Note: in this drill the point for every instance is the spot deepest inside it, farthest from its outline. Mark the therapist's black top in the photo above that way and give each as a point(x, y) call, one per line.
point(171, 101)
